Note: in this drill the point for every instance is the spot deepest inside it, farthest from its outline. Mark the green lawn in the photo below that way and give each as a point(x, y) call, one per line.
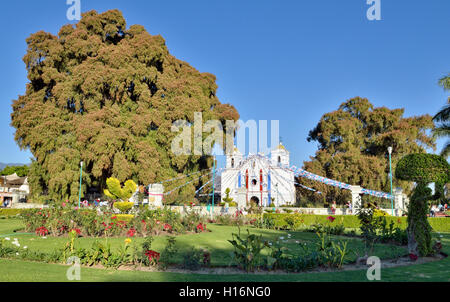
point(9, 225)
point(216, 242)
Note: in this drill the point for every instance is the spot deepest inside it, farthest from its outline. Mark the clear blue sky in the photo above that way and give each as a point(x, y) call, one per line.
point(286, 60)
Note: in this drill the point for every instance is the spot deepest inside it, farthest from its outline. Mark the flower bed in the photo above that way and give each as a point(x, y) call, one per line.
point(58, 221)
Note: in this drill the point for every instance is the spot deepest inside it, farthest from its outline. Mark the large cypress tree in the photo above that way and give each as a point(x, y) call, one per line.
point(107, 95)
point(352, 147)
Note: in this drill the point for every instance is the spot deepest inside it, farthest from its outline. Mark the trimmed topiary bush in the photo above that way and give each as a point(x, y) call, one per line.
point(123, 206)
point(115, 191)
point(422, 169)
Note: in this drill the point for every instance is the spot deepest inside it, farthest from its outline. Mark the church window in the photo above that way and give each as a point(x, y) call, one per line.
point(254, 182)
point(232, 163)
point(279, 159)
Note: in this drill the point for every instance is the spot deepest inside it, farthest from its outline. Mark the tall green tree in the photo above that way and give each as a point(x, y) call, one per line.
point(107, 95)
point(352, 147)
point(442, 119)
point(21, 171)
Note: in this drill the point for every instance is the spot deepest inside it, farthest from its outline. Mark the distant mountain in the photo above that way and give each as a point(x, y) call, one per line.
point(3, 165)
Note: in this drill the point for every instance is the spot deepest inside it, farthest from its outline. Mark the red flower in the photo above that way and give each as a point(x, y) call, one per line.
point(78, 231)
point(331, 218)
point(167, 227)
point(114, 217)
point(201, 227)
point(131, 232)
point(42, 231)
point(152, 255)
point(413, 257)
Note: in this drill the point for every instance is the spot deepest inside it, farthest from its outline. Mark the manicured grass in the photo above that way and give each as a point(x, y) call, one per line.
point(216, 242)
point(9, 225)
point(14, 270)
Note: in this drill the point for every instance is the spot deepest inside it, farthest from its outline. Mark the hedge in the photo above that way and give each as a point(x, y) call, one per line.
point(10, 212)
point(349, 221)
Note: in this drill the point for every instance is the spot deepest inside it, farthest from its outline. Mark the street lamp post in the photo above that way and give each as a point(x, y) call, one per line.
point(79, 195)
point(390, 177)
point(214, 187)
point(277, 203)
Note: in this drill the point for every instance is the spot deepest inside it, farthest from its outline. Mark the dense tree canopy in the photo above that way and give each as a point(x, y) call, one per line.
point(21, 171)
point(424, 168)
point(107, 95)
point(353, 142)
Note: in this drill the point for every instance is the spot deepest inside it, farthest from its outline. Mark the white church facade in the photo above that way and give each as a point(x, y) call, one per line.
point(259, 178)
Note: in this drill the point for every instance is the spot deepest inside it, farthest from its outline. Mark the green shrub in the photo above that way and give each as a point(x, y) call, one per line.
point(10, 212)
point(247, 250)
point(124, 217)
point(168, 253)
point(285, 221)
point(124, 206)
point(192, 259)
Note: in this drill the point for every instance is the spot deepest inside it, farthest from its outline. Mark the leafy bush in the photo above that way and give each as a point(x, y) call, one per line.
point(124, 206)
point(124, 217)
point(167, 254)
point(325, 252)
point(392, 233)
point(247, 251)
point(192, 259)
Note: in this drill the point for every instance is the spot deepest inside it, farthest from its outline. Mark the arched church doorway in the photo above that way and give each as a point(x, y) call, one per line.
point(255, 200)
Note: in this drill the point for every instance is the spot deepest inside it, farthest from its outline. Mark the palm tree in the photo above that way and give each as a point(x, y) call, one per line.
point(443, 119)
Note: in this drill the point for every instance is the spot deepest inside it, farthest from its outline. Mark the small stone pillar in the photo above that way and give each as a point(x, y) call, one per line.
point(399, 204)
point(356, 198)
point(155, 195)
point(405, 201)
point(241, 197)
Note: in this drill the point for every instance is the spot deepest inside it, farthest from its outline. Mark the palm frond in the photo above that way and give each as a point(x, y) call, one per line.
point(446, 150)
point(442, 131)
point(443, 115)
point(445, 82)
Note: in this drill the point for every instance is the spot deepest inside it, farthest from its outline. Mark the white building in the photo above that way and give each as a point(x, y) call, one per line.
point(13, 189)
point(259, 178)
